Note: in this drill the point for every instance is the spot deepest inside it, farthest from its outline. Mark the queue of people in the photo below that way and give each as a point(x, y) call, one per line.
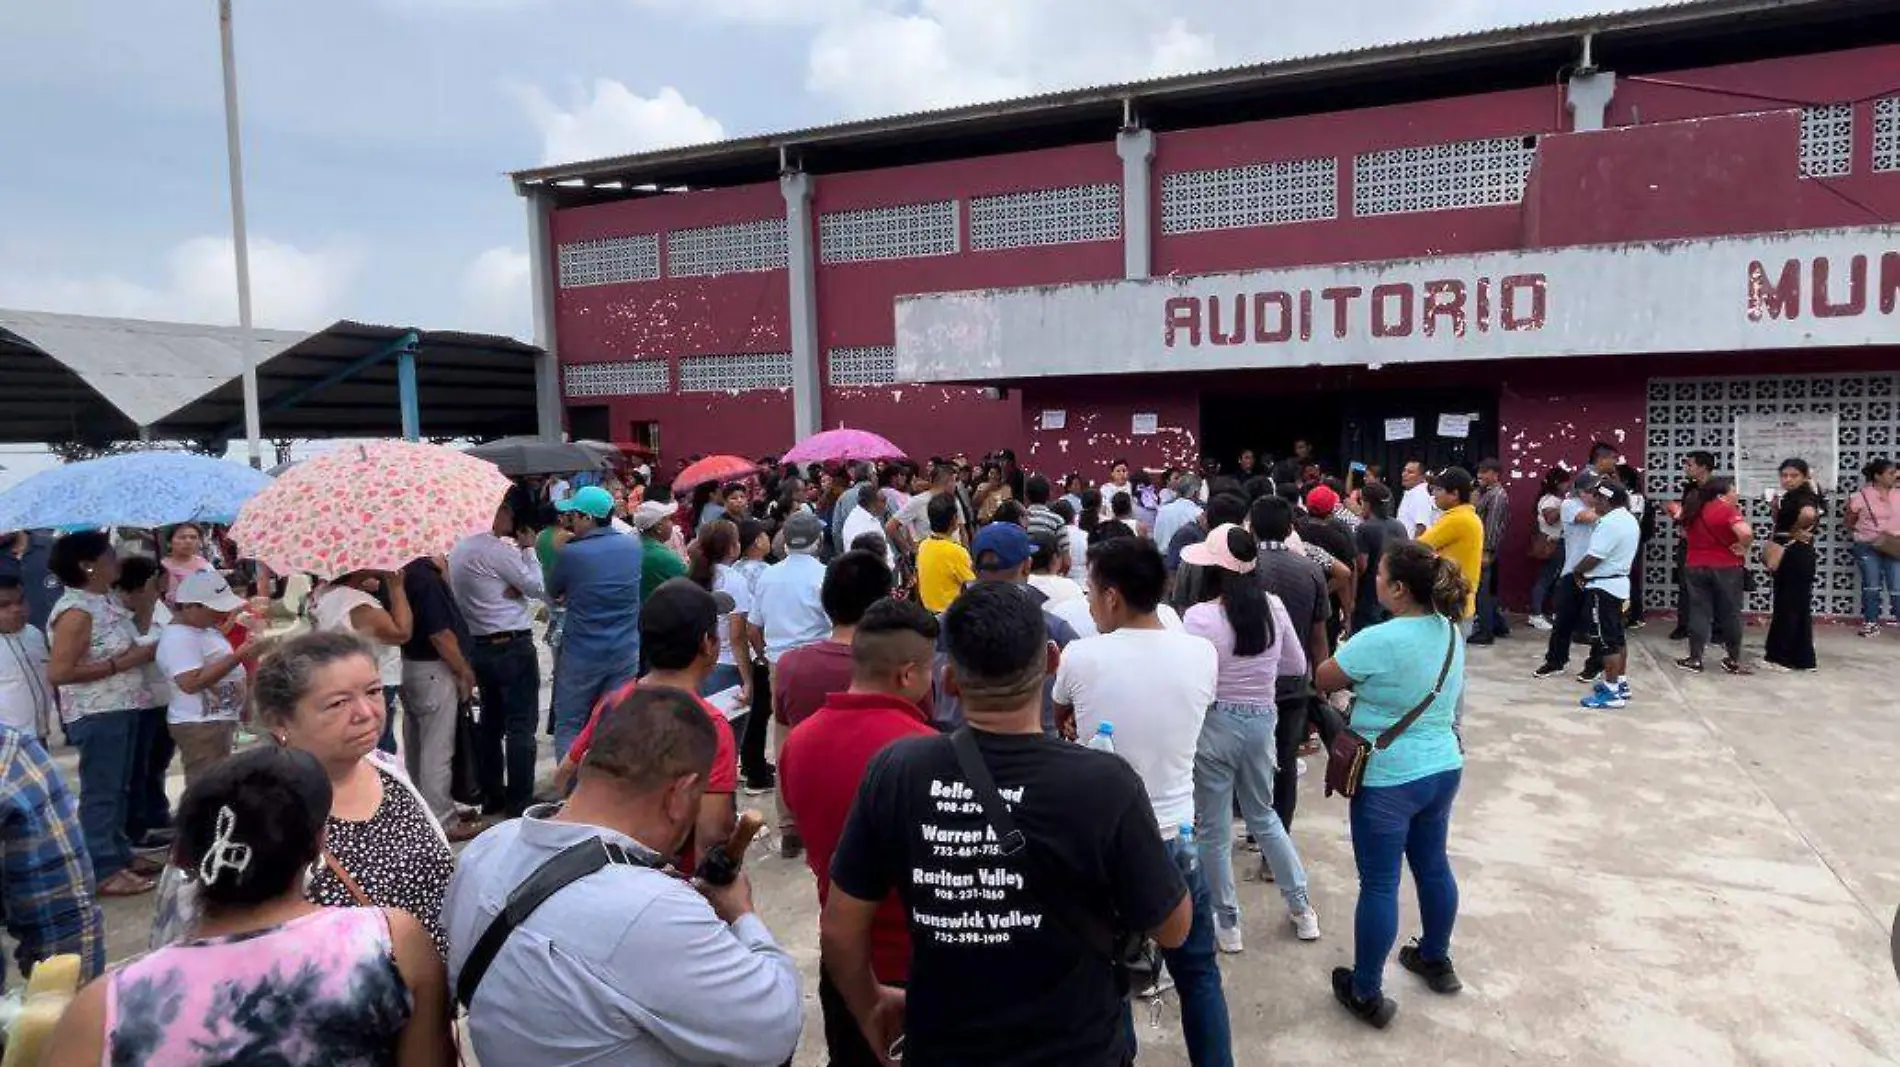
point(940, 675)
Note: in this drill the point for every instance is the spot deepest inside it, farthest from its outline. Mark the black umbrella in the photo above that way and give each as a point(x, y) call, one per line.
point(530, 455)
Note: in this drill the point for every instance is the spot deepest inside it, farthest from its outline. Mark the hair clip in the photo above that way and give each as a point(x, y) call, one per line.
point(224, 853)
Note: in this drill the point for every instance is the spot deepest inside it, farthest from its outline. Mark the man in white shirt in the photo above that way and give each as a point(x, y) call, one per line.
point(868, 518)
point(1154, 685)
point(208, 679)
point(1416, 509)
point(26, 696)
point(1604, 574)
point(496, 579)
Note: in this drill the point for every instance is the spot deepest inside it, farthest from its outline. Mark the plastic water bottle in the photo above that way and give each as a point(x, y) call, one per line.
point(1104, 739)
point(1187, 834)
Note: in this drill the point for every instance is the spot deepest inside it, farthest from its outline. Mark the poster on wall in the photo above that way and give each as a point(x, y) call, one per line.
point(1454, 425)
point(1399, 430)
point(1146, 422)
point(1763, 441)
point(1055, 419)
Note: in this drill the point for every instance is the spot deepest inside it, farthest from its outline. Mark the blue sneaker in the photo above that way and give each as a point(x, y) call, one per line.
point(1623, 687)
point(1604, 698)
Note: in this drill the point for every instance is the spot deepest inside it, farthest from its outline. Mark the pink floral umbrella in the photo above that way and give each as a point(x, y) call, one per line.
point(374, 506)
point(843, 446)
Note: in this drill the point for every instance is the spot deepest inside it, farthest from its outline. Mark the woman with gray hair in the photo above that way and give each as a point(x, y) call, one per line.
point(321, 693)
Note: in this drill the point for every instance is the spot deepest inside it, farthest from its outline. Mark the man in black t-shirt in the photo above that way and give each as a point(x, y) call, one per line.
point(1301, 586)
point(995, 978)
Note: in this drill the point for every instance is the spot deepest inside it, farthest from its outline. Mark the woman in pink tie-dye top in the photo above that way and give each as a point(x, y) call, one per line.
point(271, 978)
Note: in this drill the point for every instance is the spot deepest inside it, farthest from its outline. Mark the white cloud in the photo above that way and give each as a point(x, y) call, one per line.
point(613, 120)
point(879, 62)
point(1179, 50)
point(290, 287)
point(496, 294)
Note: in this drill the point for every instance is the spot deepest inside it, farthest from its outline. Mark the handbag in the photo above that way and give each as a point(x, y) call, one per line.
point(1543, 546)
point(1135, 957)
point(465, 779)
point(1887, 544)
point(1349, 753)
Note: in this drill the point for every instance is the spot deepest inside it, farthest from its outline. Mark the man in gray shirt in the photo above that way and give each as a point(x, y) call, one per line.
point(1301, 586)
point(626, 965)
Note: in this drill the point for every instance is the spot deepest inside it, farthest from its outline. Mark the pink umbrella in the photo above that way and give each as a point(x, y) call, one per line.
point(843, 446)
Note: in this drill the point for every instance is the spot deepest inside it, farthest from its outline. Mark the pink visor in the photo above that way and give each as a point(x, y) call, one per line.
point(1214, 552)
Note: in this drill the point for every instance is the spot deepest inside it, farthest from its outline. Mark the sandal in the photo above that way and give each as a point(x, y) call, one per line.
point(145, 866)
point(125, 884)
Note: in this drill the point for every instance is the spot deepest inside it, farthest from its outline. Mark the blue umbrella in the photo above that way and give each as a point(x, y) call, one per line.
point(142, 489)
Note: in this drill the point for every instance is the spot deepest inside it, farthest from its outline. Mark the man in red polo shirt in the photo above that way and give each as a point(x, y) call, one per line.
point(822, 763)
point(679, 632)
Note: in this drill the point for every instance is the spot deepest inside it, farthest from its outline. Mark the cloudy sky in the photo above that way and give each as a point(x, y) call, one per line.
point(377, 132)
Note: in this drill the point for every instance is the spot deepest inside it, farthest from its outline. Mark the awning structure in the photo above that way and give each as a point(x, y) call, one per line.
point(65, 377)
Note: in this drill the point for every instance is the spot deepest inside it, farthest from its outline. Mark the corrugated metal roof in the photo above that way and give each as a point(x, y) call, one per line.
point(1685, 16)
point(145, 369)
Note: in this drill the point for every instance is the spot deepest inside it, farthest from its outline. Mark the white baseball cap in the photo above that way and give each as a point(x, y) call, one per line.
point(209, 589)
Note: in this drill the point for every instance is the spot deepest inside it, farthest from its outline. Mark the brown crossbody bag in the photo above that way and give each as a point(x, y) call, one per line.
point(1349, 753)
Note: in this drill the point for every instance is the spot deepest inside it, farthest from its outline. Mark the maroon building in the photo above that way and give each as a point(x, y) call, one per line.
point(1673, 229)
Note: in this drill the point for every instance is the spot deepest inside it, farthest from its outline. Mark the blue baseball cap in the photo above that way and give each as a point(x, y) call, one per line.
point(593, 501)
point(1005, 543)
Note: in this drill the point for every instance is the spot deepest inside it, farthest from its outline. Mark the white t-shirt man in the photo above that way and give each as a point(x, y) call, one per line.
point(1416, 509)
point(861, 522)
point(1613, 542)
point(728, 580)
point(1155, 687)
point(183, 649)
point(26, 696)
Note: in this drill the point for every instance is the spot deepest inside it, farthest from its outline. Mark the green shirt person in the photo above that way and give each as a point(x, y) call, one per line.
point(653, 521)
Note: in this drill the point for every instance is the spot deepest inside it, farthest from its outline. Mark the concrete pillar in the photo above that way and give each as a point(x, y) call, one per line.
point(808, 402)
point(1137, 149)
point(541, 282)
point(1588, 98)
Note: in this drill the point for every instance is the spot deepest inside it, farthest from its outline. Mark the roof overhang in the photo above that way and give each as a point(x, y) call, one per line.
point(1698, 32)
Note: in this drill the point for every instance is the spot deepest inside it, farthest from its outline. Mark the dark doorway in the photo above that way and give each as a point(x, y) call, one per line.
point(1348, 425)
point(589, 422)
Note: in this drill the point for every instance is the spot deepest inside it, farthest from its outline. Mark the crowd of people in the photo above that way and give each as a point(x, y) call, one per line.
point(926, 665)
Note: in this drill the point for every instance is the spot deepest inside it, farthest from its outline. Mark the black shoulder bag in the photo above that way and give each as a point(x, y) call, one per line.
point(1135, 958)
point(566, 867)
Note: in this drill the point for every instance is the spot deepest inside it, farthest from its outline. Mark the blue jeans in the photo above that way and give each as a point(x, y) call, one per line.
point(579, 683)
point(1204, 1022)
point(391, 694)
point(1390, 823)
point(1236, 759)
point(107, 743)
point(508, 676)
point(722, 677)
point(1543, 590)
point(148, 807)
point(1876, 571)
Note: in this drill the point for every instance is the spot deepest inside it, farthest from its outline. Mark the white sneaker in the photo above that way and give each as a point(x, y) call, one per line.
point(1228, 938)
point(1305, 924)
point(1538, 622)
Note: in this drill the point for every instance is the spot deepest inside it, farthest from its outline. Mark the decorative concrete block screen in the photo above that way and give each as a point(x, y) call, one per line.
point(735, 374)
point(1439, 177)
point(1063, 216)
point(1257, 194)
point(728, 249)
point(609, 260)
point(1827, 141)
point(888, 233)
point(637, 377)
point(1690, 414)
point(868, 365)
point(1887, 134)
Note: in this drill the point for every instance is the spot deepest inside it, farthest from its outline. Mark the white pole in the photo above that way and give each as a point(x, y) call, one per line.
point(253, 417)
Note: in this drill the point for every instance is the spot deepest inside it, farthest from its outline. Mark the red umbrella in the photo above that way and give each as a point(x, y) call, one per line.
point(714, 469)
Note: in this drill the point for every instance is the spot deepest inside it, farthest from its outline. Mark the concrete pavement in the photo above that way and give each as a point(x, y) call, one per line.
point(1706, 878)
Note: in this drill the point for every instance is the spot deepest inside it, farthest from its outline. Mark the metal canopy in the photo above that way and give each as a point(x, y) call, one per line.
point(97, 379)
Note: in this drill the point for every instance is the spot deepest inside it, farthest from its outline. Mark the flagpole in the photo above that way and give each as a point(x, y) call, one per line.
point(253, 417)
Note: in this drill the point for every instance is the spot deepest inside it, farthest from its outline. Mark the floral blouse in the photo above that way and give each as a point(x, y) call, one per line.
point(112, 635)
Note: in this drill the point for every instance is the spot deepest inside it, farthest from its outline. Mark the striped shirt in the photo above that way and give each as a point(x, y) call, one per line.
point(45, 876)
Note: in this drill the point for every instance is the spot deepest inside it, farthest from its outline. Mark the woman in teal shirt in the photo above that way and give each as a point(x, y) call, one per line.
point(1404, 810)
